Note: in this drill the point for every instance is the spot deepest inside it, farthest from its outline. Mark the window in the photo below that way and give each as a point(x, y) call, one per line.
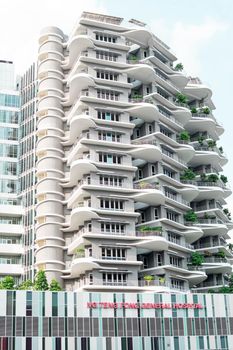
point(113, 253)
point(105, 37)
point(112, 204)
point(107, 75)
point(111, 116)
point(115, 279)
point(153, 170)
point(177, 284)
point(175, 261)
point(140, 174)
point(169, 172)
point(108, 95)
point(114, 229)
point(109, 158)
point(137, 133)
point(110, 136)
point(172, 216)
point(173, 237)
point(115, 181)
point(165, 131)
point(170, 194)
point(159, 259)
point(156, 214)
point(108, 56)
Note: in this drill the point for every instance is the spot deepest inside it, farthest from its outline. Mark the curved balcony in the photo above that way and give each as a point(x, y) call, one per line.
point(78, 169)
point(79, 215)
point(203, 122)
point(216, 265)
point(77, 125)
point(76, 45)
point(77, 83)
point(198, 91)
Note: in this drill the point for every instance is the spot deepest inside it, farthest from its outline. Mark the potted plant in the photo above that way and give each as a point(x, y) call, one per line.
point(182, 99)
point(193, 110)
point(224, 179)
point(201, 140)
point(162, 280)
point(190, 216)
point(188, 174)
point(148, 278)
point(179, 67)
point(80, 252)
point(221, 254)
point(220, 149)
point(205, 110)
point(197, 259)
point(211, 144)
point(213, 178)
point(184, 136)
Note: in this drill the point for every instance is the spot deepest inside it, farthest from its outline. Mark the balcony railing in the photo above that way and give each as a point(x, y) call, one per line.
point(142, 186)
point(173, 156)
point(144, 142)
point(149, 233)
point(214, 259)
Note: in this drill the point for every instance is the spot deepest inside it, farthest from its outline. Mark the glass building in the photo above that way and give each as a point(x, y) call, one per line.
point(11, 210)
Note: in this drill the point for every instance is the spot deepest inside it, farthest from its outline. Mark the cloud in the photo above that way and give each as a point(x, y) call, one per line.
point(21, 22)
point(189, 41)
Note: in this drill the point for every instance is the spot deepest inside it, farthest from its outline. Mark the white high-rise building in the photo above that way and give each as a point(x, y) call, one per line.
point(130, 190)
point(11, 210)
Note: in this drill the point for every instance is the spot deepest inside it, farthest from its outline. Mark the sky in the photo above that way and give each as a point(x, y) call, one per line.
point(199, 32)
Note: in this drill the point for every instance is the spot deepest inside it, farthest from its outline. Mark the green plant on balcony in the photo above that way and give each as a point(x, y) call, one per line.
point(227, 213)
point(133, 58)
point(188, 174)
point(197, 259)
point(201, 140)
point(204, 177)
point(190, 216)
point(224, 179)
point(151, 228)
point(143, 184)
point(179, 67)
point(220, 149)
point(213, 178)
point(205, 110)
point(230, 246)
point(80, 252)
point(148, 278)
point(162, 280)
point(184, 136)
point(136, 96)
point(211, 143)
point(221, 254)
point(7, 283)
point(182, 99)
point(193, 110)
point(206, 216)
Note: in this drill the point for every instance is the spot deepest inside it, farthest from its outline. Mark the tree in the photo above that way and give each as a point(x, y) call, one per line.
point(223, 177)
point(193, 110)
point(205, 110)
point(197, 259)
point(149, 278)
point(41, 282)
point(7, 283)
point(54, 286)
point(26, 285)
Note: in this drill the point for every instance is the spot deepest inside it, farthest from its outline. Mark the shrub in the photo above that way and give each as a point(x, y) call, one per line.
point(7, 283)
point(224, 179)
point(221, 149)
point(181, 98)
point(188, 174)
point(213, 178)
point(148, 278)
point(26, 285)
point(197, 259)
point(184, 136)
point(179, 67)
point(205, 110)
point(211, 143)
point(221, 254)
point(190, 216)
point(193, 110)
point(54, 286)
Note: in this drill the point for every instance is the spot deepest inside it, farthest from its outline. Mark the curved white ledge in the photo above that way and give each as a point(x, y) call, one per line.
point(77, 125)
point(77, 83)
point(79, 216)
point(78, 44)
